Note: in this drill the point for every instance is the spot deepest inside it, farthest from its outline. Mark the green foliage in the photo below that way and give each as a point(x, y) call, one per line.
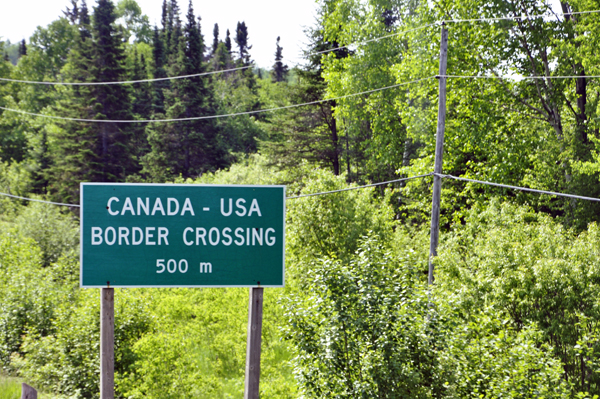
point(55, 233)
point(532, 271)
point(364, 329)
point(9, 389)
point(331, 224)
point(197, 352)
point(26, 293)
point(66, 361)
point(368, 327)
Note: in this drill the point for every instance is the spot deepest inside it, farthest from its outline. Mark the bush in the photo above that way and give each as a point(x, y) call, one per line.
point(55, 233)
point(368, 328)
point(532, 271)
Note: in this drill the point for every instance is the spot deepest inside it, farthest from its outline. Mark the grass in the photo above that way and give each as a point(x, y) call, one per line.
point(10, 388)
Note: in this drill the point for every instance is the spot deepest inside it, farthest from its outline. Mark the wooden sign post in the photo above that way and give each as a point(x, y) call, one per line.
point(107, 343)
point(255, 312)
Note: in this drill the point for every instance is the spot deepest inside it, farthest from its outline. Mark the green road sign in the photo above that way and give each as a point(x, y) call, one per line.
point(170, 235)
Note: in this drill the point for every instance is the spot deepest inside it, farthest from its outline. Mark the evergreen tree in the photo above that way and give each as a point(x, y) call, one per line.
point(159, 71)
point(111, 101)
point(173, 30)
point(215, 43)
point(192, 147)
point(280, 71)
point(94, 151)
point(228, 41)
point(309, 132)
point(22, 48)
point(141, 104)
point(72, 14)
point(73, 158)
point(241, 39)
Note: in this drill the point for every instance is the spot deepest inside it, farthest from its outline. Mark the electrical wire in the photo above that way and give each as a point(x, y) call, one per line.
point(37, 200)
point(443, 176)
point(121, 82)
point(359, 187)
point(195, 118)
point(370, 40)
point(517, 17)
point(298, 196)
point(518, 188)
point(519, 77)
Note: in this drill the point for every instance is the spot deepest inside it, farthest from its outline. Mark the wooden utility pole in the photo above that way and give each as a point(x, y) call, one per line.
point(439, 153)
point(107, 343)
point(255, 312)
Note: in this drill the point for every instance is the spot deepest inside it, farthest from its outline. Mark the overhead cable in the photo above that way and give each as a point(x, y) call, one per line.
point(121, 82)
point(195, 118)
point(517, 77)
point(492, 19)
point(358, 187)
point(37, 200)
point(370, 40)
point(379, 184)
point(298, 196)
point(518, 188)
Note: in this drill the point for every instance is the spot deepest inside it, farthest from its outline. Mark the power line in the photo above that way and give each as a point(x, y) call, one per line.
point(492, 19)
point(298, 196)
point(121, 82)
point(371, 40)
point(358, 187)
point(195, 118)
point(518, 188)
point(518, 77)
point(380, 184)
point(37, 200)
point(450, 21)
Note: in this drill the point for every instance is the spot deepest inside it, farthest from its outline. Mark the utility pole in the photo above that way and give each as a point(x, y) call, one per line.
point(439, 153)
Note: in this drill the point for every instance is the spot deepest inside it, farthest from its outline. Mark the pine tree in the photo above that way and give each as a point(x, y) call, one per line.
point(215, 39)
point(159, 72)
point(141, 104)
point(173, 30)
point(73, 158)
point(111, 101)
point(280, 71)
point(192, 147)
point(228, 42)
point(309, 132)
point(22, 48)
point(241, 39)
point(94, 151)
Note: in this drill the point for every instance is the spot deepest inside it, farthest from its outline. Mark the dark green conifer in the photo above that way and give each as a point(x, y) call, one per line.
point(94, 151)
point(159, 71)
point(22, 48)
point(111, 101)
point(241, 39)
point(280, 71)
point(73, 159)
point(192, 147)
point(215, 42)
point(228, 41)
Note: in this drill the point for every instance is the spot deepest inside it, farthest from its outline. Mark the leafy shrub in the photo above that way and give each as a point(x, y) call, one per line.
point(532, 271)
point(27, 294)
point(67, 361)
point(368, 328)
point(55, 233)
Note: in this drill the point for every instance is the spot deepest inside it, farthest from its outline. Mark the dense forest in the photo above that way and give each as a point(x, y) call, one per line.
point(514, 311)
